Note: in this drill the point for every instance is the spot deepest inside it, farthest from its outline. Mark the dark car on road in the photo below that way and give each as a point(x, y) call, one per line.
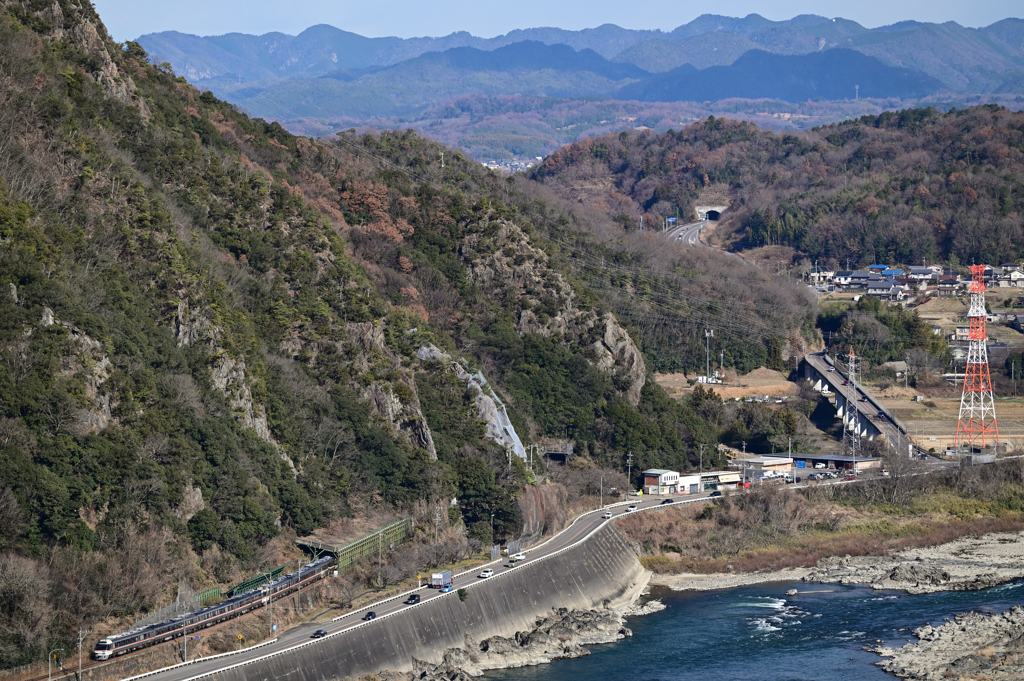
point(319, 633)
point(716, 493)
point(413, 599)
point(370, 616)
point(668, 501)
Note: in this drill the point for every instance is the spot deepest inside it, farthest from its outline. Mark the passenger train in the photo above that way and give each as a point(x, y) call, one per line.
point(166, 630)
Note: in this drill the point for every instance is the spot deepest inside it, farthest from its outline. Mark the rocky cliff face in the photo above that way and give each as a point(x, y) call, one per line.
point(544, 511)
point(83, 360)
point(502, 261)
point(490, 409)
point(77, 25)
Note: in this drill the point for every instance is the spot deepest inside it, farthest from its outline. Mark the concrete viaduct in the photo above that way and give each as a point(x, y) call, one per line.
point(875, 420)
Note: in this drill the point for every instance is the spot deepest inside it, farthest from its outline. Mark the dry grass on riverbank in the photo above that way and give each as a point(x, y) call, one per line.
point(771, 528)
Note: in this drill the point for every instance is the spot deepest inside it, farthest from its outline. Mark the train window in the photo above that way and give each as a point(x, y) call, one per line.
point(104, 645)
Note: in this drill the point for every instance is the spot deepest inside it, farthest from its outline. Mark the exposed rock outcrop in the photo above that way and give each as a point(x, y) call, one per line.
point(490, 409)
point(561, 635)
point(967, 564)
point(502, 261)
point(544, 511)
point(228, 376)
point(392, 388)
point(88, 360)
point(74, 24)
point(973, 645)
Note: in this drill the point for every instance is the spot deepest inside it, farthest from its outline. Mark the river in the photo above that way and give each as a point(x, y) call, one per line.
point(759, 633)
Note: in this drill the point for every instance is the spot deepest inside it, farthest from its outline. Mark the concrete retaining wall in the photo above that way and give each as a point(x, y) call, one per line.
point(599, 570)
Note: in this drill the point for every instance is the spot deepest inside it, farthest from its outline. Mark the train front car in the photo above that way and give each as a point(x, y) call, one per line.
point(104, 649)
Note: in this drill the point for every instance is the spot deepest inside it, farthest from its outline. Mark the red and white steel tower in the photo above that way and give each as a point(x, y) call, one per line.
point(977, 424)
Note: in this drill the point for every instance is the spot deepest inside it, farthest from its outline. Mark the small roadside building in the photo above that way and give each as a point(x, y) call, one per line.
point(812, 462)
point(712, 480)
point(660, 481)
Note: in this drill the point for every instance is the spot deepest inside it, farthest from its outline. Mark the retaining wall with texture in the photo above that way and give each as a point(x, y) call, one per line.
point(599, 570)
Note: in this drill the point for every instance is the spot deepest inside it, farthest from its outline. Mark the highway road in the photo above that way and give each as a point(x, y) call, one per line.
point(688, 234)
point(581, 528)
point(300, 635)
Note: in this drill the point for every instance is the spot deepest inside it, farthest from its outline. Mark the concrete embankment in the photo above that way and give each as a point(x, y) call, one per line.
point(599, 571)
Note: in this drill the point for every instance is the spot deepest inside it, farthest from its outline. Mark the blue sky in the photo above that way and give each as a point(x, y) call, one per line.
point(129, 19)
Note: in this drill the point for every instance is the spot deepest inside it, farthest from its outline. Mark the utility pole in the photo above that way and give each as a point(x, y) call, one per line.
point(442, 160)
point(708, 335)
point(701, 480)
point(81, 636)
point(629, 470)
point(602, 490)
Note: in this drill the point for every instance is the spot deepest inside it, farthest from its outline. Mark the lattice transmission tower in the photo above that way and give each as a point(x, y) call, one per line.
point(977, 423)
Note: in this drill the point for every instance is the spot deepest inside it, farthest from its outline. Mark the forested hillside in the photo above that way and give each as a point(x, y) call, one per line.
point(215, 335)
point(900, 187)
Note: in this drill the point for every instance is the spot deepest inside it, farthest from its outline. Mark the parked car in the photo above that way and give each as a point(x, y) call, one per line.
point(607, 514)
point(370, 616)
point(632, 508)
point(319, 633)
point(413, 599)
point(668, 501)
point(486, 573)
point(819, 465)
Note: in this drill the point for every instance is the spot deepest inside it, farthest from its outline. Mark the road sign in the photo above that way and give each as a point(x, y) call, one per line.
point(671, 219)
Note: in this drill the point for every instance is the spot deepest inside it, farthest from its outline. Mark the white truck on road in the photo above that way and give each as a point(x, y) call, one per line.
point(440, 580)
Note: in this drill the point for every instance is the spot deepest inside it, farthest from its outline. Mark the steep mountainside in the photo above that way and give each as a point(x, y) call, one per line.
point(900, 187)
point(215, 335)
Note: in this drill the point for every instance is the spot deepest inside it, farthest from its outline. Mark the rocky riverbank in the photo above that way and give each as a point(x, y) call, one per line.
point(561, 635)
point(972, 645)
point(967, 564)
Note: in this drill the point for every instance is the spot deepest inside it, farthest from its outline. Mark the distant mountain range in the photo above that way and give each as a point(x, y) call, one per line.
point(328, 79)
point(832, 74)
point(963, 59)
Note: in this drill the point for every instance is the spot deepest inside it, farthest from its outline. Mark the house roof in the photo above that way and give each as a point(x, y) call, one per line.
point(844, 273)
point(657, 471)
